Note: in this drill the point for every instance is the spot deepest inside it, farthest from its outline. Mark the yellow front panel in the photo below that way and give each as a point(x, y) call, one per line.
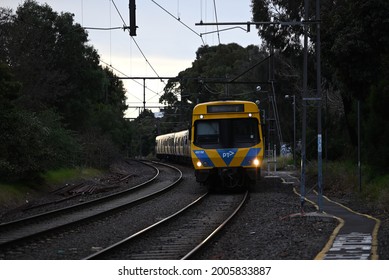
point(211, 158)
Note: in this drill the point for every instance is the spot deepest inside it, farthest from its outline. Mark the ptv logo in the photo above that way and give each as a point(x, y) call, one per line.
point(228, 154)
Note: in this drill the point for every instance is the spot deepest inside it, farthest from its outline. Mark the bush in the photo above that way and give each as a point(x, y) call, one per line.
point(377, 192)
point(341, 178)
point(32, 143)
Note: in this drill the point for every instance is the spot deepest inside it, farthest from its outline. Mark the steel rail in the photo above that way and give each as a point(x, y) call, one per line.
point(105, 199)
point(209, 237)
point(104, 252)
point(117, 244)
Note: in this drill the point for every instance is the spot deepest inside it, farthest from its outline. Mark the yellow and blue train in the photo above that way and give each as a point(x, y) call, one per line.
point(224, 143)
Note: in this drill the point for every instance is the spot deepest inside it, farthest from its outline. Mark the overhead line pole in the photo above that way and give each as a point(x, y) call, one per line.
point(248, 23)
point(222, 80)
point(144, 94)
point(206, 80)
point(304, 117)
point(319, 124)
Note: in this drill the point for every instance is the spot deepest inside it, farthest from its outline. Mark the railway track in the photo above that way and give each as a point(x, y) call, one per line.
point(123, 178)
point(19, 232)
point(180, 235)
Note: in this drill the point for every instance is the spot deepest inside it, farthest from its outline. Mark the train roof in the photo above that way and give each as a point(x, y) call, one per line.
point(173, 134)
point(231, 107)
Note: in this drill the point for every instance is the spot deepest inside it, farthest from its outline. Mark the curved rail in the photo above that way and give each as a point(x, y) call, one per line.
point(28, 227)
point(79, 205)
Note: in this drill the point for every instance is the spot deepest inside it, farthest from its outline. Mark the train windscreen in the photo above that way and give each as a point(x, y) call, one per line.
point(226, 133)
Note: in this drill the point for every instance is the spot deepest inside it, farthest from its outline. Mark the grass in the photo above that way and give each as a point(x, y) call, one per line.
point(342, 178)
point(13, 195)
point(282, 163)
point(377, 191)
point(59, 176)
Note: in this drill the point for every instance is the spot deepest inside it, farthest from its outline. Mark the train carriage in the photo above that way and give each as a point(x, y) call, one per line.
point(164, 145)
point(173, 146)
point(182, 144)
point(227, 143)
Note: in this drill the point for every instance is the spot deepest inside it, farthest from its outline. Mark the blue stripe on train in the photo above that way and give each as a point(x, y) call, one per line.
point(204, 158)
point(251, 155)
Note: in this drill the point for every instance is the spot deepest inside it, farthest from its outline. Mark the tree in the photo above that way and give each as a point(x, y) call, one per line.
point(286, 37)
point(354, 44)
point(30, 142)
point(208, 78)
point(59, 106)
point(354, 56)
point(145, 132)
point(376, 125)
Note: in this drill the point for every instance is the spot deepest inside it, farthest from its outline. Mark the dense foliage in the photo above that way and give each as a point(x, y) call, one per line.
point(58, 106)
point(355, 49)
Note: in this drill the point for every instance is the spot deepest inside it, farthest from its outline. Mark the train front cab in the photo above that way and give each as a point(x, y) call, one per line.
point(227, 146)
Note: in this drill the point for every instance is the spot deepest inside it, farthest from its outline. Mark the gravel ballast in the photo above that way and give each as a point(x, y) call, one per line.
point(266, 227)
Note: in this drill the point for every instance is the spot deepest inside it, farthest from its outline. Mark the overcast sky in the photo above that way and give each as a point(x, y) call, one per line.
point(167, 44)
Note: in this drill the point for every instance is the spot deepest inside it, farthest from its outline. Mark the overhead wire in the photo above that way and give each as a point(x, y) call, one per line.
point(201, 10)
point(82, 12)
point(178, 9)
point(124, 27)
point(217, 26)
point(134, 80)
point(136, 43)
point(117, 10)
point(213, 91)
point(110, 33)
point(179, 20)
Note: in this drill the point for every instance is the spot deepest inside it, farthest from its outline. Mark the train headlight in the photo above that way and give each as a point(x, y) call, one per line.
point(256, 162)
point(199, 164)
point(250, 115)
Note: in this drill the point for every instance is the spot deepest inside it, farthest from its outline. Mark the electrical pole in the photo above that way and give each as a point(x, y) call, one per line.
point(319, 128)
point(304, 101)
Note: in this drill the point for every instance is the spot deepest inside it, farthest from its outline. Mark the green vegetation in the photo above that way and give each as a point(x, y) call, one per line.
point(377, 192)
point(283, 163)
point(58, 176)
point(341, 178)
point(355, 67)
point(14, 195)
point(58, 107)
